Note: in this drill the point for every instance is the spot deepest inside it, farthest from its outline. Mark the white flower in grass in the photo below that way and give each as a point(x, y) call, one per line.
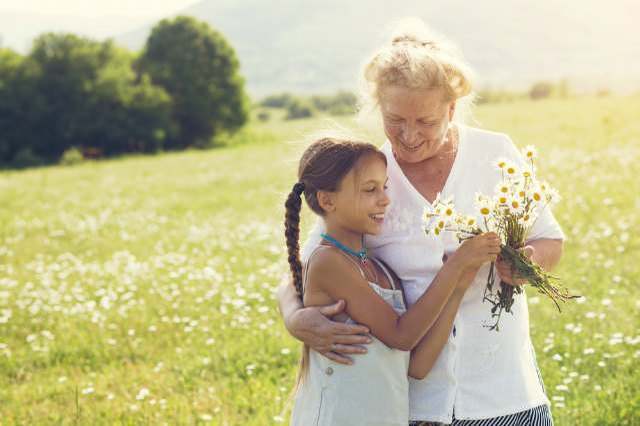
point(142, 394)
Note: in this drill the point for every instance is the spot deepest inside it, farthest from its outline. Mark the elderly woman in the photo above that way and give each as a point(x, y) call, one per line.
point(481, 377)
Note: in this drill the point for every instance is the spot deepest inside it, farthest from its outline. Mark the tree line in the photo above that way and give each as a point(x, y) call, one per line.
point(182, 90)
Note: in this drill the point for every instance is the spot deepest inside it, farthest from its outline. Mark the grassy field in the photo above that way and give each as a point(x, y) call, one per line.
point(141, 290)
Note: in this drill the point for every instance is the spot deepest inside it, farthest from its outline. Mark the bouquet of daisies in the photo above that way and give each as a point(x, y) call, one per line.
point(510, 212)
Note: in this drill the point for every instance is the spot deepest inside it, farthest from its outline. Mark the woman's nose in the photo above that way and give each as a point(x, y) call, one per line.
point(409, 133)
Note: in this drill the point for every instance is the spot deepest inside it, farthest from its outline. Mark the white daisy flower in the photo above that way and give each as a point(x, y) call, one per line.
point(511, 170)
point(516, 206)
point(501, 163)
point(530, 152)
point(502, 188)
point(484, 206)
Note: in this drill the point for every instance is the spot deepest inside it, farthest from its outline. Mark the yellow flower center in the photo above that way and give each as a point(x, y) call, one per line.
point(502, 200)
point(511, 170)
point(537, 196)
point(485, 211)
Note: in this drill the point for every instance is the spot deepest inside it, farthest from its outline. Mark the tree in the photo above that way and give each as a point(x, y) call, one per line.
point(540, 90)
point(72, 91)
point(199, 69)
point(10, 63)
point(299, 108)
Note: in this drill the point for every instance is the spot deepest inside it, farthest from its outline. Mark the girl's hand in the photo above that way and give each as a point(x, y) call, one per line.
point(478, 250)
point(330, 338)
point(504, 268)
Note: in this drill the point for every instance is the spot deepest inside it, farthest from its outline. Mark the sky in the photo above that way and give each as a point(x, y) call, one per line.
point(96, 8)
point(23, 20)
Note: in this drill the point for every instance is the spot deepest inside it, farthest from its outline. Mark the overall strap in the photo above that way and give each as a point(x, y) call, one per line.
point(386, 272)
point(306, 265)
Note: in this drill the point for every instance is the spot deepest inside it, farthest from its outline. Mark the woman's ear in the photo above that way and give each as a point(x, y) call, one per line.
point(326, 200)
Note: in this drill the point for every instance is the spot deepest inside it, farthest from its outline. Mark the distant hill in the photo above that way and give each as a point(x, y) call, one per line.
point(318, 46)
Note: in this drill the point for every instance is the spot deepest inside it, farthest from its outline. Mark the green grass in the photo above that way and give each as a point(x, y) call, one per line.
point(159, 273)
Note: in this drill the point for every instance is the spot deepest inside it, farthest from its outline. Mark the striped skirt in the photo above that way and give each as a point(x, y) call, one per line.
point(537, 416)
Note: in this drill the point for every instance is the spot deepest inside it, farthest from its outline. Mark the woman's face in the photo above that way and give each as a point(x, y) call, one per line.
point(415, 121)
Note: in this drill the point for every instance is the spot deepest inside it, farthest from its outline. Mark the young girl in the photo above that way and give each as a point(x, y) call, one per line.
point(344, 182)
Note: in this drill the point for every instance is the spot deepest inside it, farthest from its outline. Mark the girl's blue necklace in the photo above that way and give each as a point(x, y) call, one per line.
point(362, 254)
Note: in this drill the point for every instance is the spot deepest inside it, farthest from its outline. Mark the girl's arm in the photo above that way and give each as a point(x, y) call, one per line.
point(425, 354)
point(334, 275)
point(312, 325)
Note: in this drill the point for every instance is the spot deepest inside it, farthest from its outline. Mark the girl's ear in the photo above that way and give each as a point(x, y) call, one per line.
point(326, 200)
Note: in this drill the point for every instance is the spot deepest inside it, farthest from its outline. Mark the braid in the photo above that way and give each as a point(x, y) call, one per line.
point(292, 235)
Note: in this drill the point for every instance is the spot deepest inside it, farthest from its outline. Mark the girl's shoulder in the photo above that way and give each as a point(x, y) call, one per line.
point(327, 265)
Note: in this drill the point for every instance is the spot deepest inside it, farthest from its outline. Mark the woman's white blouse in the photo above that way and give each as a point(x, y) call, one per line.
point(480, 373)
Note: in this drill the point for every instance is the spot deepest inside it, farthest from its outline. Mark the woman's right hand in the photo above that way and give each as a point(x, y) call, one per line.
point(333, 339)
point(478, 250)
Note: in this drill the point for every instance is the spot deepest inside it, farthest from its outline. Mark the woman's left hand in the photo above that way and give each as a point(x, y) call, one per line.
point(504, 268)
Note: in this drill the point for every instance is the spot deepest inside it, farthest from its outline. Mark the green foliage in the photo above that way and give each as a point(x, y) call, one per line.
point(26, 158)
point(541, 90)
point(340, 103)
point(10, 138)
point(72, 91)
point(264, 115)
point(491, 96)
point(299, 108)
point(200, 71)
point(281, 100)
point(71, 156)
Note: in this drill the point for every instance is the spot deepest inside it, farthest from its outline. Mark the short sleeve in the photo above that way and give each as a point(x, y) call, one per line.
point(546, 225)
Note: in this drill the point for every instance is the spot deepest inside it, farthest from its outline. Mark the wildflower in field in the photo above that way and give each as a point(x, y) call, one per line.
point(142, 394)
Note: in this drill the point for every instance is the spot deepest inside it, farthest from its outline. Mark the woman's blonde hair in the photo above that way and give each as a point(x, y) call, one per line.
point(415, 58)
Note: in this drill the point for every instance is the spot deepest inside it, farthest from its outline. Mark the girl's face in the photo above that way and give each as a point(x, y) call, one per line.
point(415, 121)
point(360, 202)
